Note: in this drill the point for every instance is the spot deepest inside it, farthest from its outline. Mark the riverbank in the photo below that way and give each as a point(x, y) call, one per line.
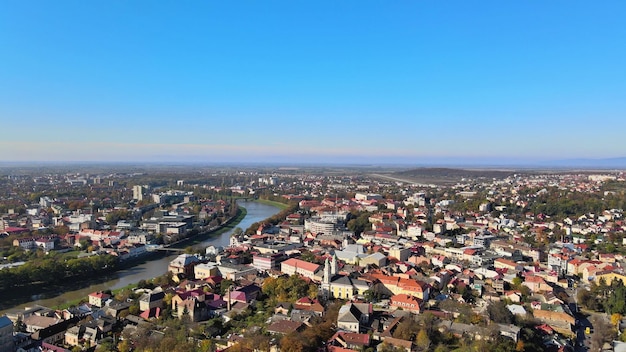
point(14, 297)
point(145, 270)
point(279, 205)
point(228, 225)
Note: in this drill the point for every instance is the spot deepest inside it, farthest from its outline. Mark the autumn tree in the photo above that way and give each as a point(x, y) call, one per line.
point(422, 340)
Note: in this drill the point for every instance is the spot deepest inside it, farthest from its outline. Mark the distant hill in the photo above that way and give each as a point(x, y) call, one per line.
point(440, 175)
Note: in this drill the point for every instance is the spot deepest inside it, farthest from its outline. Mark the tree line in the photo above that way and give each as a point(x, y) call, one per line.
point(55, 270)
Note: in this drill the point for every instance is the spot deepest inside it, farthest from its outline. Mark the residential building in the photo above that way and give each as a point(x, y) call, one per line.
point(150, 300)
point(98, 299)
point(354, 316)
point(183, 264)
point(406, 302)
point(296, 266)
point(6, 334)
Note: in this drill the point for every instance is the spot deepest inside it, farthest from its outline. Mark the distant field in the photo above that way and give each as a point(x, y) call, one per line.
point(443, 176)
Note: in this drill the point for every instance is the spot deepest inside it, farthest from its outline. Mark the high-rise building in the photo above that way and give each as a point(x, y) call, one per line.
point(138, 192)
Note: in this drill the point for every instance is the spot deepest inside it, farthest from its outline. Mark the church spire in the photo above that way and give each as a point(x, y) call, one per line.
point(334, 266)
point(327, 272)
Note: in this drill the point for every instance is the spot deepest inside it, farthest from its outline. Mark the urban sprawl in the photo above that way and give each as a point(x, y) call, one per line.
point(351, 260)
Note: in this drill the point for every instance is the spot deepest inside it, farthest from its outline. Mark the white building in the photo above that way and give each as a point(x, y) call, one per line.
point(317, 225)
point(138, 192)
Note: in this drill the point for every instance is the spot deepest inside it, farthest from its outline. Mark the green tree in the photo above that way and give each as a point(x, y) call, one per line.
point(422, 341)
point(499, 313)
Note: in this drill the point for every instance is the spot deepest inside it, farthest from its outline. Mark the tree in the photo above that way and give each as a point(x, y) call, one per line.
point(587, 299)
point(441, 348)
point(123, 346)
point(499, 313)
point(61, 230)
point(615, 319)
point(106, 345)
point(291, 343)
point(116, 215)
point(359, 223)
point(422, 341)
point(387, 347)
point(407, 329)
point(516, 282)
point(616, 300)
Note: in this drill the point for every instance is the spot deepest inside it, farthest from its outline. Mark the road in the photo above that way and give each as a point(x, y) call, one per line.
point(583, 340)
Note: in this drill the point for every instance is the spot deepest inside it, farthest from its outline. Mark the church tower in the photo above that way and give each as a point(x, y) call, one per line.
point(334, 266)
point(326, 279)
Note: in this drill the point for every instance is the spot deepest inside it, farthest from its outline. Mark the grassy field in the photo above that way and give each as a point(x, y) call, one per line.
point(76, 302)
point(279, 205)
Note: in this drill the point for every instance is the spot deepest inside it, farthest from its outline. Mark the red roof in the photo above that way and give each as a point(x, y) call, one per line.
point(301, 264)
point(12, 229)
point(352, 338)
point(100, 295)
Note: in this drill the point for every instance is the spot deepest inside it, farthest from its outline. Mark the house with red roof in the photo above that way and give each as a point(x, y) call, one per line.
point(406, 302)
point(284, 327)
point(311, 305)
point(98, 298)
point(349, 340)
point(396, 285)
point(25, 243)
point(192, 303)
point(537, 284)
point(502, 263)
point(296, 266)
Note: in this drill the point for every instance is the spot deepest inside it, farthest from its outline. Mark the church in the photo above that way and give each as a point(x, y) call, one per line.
point(340, 286)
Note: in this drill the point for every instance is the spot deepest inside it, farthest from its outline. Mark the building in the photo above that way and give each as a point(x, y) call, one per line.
point(377, 259)
point(151, 300)
point(26, 243)
point(267, 262)
point(138, 192)
point(191, 303)
point(6, 334)
point(183, 264)
point(401, 254)
point(296, 266)
point(339, 286)
point(406, 302)
point(393, 285)
point(98, 299)
point(317, 225)
point(205, 270)
point(354, 316)
point(609, 277)
point(367, 196)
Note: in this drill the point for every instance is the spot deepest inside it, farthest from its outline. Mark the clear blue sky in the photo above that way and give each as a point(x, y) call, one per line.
point(336, 81)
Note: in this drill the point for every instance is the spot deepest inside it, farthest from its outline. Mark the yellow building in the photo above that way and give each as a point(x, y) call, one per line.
point(609, 277)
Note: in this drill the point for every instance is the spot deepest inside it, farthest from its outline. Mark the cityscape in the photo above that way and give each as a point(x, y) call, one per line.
point(328, 176)
point(337, 259)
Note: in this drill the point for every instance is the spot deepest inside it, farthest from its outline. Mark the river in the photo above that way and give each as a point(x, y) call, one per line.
point(255, 212)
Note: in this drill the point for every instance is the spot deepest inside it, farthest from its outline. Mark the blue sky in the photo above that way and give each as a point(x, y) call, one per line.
point(317, 81)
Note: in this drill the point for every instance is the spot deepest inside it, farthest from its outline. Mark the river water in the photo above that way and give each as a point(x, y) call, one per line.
point(255, 212)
